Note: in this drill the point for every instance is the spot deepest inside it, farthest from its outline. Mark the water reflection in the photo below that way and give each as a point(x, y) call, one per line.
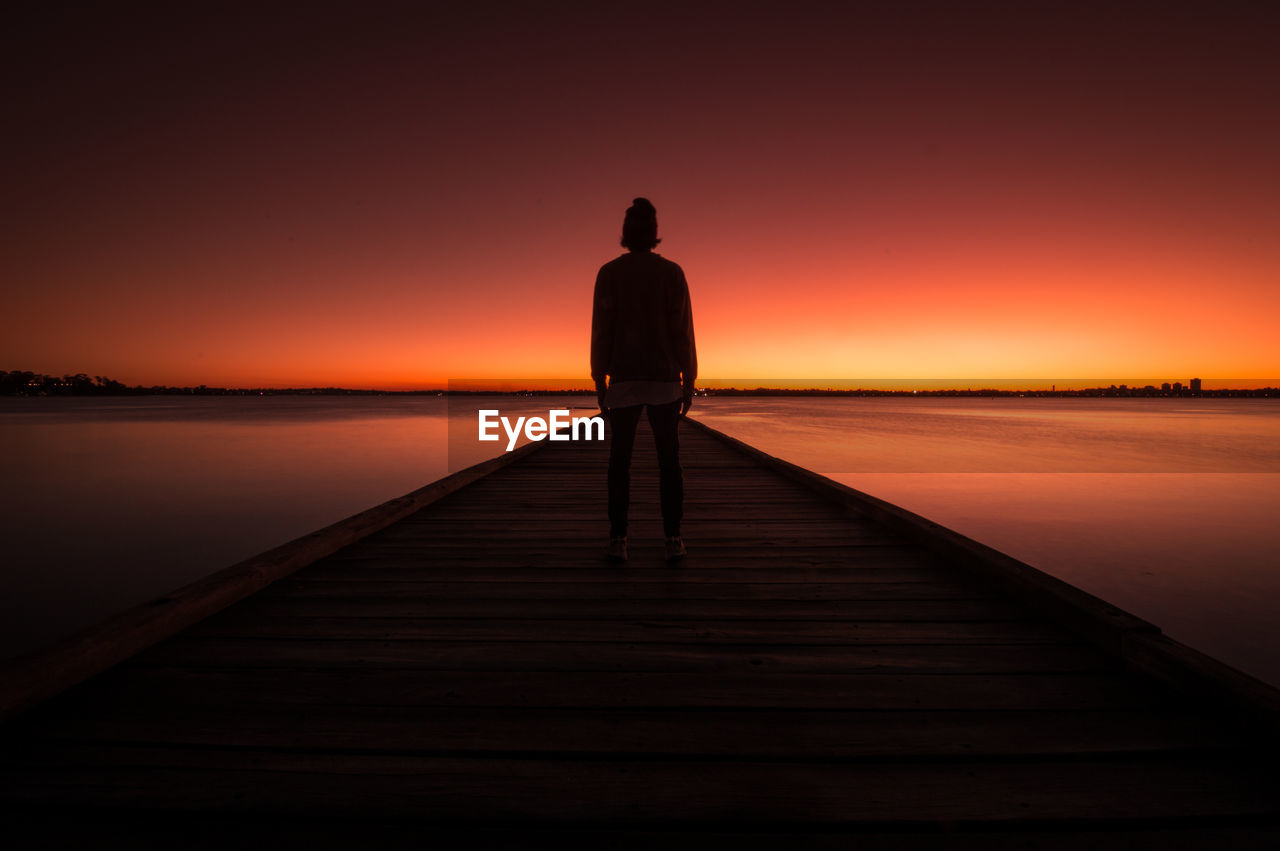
point(107, 503)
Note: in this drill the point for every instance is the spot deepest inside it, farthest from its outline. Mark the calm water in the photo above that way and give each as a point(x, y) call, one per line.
point(1164, 507)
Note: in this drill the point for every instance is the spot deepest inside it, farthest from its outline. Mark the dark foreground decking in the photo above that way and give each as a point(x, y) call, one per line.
point(476, 674)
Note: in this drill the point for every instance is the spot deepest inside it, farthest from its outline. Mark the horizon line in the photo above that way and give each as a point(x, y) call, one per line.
point(1180, 389)
point(738, 384)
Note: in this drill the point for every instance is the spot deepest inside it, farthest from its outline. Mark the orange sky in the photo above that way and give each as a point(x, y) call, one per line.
point(396, 199)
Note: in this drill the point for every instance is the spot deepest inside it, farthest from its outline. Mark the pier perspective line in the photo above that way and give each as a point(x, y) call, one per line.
point(463, 662)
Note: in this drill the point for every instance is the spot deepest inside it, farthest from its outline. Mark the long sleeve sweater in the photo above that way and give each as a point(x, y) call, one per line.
point(642, 322)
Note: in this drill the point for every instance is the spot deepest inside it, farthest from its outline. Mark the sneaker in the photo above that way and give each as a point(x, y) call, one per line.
point(675, 549)
point(617, 549)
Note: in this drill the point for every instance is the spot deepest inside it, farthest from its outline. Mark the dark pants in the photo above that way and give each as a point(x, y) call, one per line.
point(665, 422)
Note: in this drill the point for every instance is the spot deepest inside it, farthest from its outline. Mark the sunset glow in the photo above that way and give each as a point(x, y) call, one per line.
point(394, 200)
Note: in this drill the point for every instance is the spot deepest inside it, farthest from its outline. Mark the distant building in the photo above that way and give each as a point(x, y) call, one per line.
point(1177, 387)
point(1165, 387)
point(1195, 385)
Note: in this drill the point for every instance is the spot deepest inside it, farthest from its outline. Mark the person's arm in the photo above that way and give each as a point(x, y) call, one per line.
point(686, 348)
point(602, 310)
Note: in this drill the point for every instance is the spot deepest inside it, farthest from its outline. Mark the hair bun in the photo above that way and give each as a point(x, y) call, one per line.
point(640, 226)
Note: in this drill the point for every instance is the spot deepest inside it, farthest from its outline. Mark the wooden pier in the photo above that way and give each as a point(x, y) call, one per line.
point(823, 667)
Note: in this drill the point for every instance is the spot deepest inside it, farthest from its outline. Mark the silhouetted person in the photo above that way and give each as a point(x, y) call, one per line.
point(642, 343)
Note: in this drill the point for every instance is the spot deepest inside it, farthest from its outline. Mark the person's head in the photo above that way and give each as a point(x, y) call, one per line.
point(640, 226)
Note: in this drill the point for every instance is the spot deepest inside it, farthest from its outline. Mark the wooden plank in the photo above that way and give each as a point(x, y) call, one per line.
point(782, 508)
point(622, 589)
point(626, 733)
point(478, 518)
point(426, 606)
point(592, 549)
point(773, 632)
point(594, 533)
point(288, 653)
point(373, 571)
point(376, 687)
point(702, 548)
point(314, 830)
point(540, 527)
point(688, 792)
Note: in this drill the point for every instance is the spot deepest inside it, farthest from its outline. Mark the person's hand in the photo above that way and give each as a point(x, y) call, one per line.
point(686, 402)
point(600, 390)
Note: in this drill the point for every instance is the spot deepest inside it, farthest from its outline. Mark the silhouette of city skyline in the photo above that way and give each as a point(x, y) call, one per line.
point(27, 383)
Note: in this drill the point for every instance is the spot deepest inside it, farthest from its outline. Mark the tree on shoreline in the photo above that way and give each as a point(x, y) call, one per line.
point(25, 383)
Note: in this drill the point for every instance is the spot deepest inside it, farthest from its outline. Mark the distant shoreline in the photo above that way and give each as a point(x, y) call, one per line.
point(23, 383)
point(732, 392)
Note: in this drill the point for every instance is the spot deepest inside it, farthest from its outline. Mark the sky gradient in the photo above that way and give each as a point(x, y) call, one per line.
point(392, 197)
